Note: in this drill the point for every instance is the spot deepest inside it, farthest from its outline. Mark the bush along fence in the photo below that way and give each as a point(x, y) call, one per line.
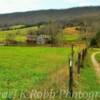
point(80, 64)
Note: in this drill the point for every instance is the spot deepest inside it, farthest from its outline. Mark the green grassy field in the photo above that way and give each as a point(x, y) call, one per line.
point(89, 81)
point(20, 34)
point(25, 67)
point(28, 68)
point(71, 37)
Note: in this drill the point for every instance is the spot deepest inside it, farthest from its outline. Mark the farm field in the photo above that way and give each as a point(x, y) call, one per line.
point(72, 38)
point(19, 34)
point(49, 50)
point(22, 63)
point(71, 34)
point(28, 68)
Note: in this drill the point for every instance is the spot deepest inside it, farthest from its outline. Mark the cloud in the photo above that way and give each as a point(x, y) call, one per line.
point(76, 1)
point(16, 5)
point(80, 2)
point(26, 5)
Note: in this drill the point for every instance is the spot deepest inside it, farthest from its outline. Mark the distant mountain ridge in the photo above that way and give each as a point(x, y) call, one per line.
point(65, 15)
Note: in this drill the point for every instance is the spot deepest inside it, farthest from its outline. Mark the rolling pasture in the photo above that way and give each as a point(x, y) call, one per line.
point(29, 68)
point(57, 55)
point(19, 34)
point(69, 34)
point(25, 67)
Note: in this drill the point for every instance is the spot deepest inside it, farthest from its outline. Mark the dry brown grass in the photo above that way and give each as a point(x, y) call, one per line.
point(71, 30)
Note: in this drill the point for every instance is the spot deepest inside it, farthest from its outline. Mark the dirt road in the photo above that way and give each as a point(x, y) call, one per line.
point(96, 64)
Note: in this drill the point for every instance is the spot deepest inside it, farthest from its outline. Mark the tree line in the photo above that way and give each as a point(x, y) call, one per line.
point(51, 33)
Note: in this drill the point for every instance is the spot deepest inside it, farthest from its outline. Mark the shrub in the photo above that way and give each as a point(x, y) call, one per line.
point(93, 42)
point(10, 39)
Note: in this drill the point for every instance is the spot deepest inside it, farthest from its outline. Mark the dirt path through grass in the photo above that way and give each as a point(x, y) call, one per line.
point(96, 64)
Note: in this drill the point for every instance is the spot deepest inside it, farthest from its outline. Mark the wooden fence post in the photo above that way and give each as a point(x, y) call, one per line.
point(82, 58)
point(79, 63)
point(83, 55)
point(71, 74)
point(85, 51)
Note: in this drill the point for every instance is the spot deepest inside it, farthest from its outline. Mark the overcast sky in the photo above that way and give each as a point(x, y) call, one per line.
point(8, 6)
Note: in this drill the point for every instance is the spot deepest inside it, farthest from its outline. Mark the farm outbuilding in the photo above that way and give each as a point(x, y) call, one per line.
point(43, 39)
point(38, 39)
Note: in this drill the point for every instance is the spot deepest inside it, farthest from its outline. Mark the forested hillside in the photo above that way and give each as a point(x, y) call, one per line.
point(73, 15)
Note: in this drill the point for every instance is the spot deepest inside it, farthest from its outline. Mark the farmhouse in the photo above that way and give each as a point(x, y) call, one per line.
point(43, 39)
point(38, 39)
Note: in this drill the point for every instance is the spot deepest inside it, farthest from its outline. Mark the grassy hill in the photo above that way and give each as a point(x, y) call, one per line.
point(69, 34)
point(20, 34)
